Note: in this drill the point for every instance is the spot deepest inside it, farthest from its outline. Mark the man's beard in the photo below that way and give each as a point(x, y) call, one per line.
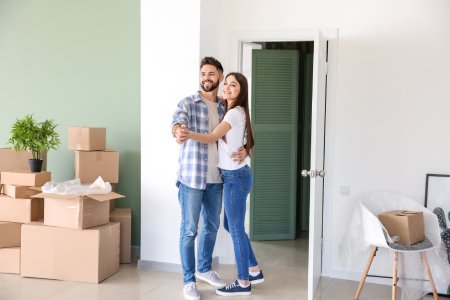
point(212, 87)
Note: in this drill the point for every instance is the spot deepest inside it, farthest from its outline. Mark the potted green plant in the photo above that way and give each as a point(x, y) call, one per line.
point(36, 137)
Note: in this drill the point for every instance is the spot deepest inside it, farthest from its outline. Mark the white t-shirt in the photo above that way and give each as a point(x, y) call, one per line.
point(234, 139)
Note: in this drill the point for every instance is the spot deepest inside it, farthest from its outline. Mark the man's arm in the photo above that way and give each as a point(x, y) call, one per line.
point(179, 132)
point(239, 155)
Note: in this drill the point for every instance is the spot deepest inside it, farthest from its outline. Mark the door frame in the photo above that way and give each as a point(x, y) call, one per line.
point(331, 35)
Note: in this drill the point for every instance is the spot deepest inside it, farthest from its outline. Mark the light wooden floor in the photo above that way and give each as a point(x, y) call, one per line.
point(284, 264)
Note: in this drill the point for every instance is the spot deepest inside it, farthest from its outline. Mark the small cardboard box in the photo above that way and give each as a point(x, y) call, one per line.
point(9, 234)
point(89, 165)
point(21, 210)
point(90, 255)
point(18, 191)
point(25, 178)
point(10, 260)
point(87, 138)
point(123, 216)
point(407, 225)
point(11, 160)
point(75, 211)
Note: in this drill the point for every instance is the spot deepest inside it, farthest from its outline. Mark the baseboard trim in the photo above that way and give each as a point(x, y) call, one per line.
point(166, 267)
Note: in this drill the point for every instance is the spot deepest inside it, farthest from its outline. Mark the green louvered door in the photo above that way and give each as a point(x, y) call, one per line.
point(274, 164)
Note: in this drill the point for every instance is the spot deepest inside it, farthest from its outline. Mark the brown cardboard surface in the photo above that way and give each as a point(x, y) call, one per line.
point(75, 211)
point(123, 216)
point(407, 225)
point(18, 191)
point(87, 138)
point(9, 234)
point(89, 165)
point(90, 255)
point(25, 178)
point(10, 260)
point(21, 210)
point(11, 160)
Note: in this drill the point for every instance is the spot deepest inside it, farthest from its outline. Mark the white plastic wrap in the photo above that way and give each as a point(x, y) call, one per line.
point(74, 187)
point(365, 230)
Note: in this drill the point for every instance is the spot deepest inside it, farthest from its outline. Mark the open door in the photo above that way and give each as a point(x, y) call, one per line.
point(317, 173)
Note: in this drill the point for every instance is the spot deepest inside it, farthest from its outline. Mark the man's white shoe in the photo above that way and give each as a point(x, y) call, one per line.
point(190, 291)
point(212, 278)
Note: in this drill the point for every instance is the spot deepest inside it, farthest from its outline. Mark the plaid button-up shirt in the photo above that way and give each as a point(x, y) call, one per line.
point(193, 158)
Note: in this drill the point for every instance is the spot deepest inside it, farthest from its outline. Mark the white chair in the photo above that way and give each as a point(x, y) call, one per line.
point(376, 235)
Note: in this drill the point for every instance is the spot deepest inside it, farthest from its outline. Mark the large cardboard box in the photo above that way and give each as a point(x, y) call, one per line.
point(123, 216)
point(10, 260)
point(21, 210)
point(75, 211)
point(87, 138)
point(11, 160)
point(18, 191)
point(9, 234)
point(25, 178)
point(90, 255)
point(89, 165)
point(407, 225)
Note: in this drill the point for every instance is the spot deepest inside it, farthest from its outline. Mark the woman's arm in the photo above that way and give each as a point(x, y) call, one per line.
point(209, 138)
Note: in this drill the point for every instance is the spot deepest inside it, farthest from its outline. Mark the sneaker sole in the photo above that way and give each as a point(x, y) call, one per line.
point(191, 297)
point(218, 285)
point(233, 294)
point(257, 281)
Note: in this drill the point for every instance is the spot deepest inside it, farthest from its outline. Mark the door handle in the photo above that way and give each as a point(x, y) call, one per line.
point(313, 173)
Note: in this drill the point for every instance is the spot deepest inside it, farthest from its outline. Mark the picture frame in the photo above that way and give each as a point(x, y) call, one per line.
point(437, 199)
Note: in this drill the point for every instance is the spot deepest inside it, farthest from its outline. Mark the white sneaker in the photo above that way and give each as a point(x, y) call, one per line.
point(190, 291)
point(212, 278)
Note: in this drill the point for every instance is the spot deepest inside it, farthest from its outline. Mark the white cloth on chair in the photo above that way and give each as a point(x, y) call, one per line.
point(366, 230)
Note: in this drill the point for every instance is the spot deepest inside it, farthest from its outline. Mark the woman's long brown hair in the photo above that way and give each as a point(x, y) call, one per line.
point(242, 100)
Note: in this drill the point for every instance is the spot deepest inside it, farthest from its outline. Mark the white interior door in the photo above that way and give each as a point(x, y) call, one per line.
point(246, 65)
point(317, 172)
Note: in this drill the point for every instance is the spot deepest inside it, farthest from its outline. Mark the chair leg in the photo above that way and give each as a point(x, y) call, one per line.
point(366, 271)
point(394, 277)
point(430, 277)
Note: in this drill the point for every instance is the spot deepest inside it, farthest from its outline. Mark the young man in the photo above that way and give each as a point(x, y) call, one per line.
point(199, 182)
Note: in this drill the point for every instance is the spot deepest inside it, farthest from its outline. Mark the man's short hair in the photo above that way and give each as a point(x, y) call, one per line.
point(209, 60)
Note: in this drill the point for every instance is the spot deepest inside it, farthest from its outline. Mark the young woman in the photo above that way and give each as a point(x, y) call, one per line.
point(233, 132)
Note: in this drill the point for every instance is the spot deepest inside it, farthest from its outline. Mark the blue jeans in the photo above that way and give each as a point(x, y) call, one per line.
point(192, 201)
point(236, 186)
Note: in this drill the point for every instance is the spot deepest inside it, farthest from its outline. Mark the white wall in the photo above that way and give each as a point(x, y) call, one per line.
point(387, 128)
point(390, 102)
point(170, 40)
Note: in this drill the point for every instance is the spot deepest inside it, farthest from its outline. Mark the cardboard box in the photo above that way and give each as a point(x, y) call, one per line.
point(407, 225)
point(75, 211)
point(10, 260)
point(90, 255)
point(25, 178)
point(123, 216)
point(18, 191)
point(21, 210)
point(87, 138)
point(11, 160)
point(9, 234)
point(89, 165)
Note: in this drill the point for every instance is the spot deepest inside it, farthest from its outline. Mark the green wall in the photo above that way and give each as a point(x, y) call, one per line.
point(76, 62)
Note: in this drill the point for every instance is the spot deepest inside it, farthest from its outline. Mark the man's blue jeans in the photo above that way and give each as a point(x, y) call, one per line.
point(192, 202)
point(236, 186)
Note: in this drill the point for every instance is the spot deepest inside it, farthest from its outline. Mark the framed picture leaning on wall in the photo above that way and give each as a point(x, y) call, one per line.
point(437, 199)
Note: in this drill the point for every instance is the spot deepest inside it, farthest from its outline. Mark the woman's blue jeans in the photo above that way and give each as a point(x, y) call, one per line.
point(236, 187)
point(192, 202)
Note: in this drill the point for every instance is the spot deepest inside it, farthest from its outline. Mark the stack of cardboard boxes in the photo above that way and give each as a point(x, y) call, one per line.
point(92, 159)
point(78, 238)
point(16, 206)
